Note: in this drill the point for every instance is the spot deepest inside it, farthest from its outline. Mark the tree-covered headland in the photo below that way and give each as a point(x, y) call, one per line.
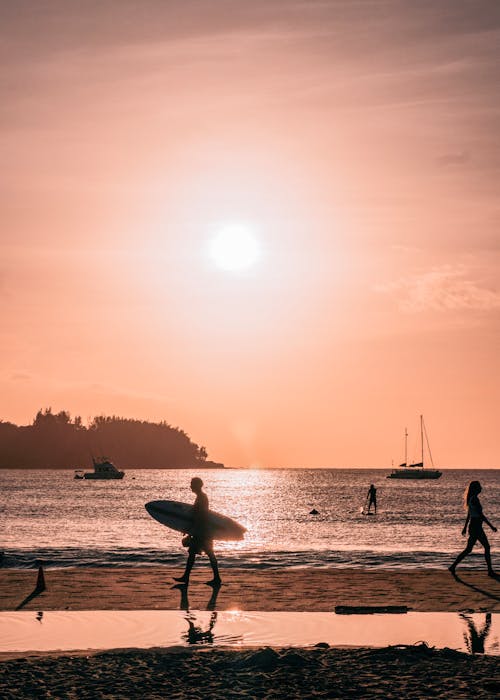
point(56, 441)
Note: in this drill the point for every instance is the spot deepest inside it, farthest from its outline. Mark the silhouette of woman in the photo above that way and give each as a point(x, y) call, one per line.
point(474, 640)
point(475, 520)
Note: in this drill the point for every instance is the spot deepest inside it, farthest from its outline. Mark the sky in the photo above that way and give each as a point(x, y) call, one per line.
point(357, 143)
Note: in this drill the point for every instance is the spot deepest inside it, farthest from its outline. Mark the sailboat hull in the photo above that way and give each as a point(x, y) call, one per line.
point(415, 474)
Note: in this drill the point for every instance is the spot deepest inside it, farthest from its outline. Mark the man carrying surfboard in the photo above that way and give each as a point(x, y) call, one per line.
point(199, 541)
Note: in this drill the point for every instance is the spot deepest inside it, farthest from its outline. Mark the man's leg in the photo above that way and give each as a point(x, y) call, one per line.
point(216, 581)
point(189, 565)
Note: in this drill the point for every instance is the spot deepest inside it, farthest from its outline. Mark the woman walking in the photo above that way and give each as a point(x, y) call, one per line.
point(475, 520)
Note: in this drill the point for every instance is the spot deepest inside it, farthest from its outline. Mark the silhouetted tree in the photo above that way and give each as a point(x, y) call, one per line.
point(56, 441)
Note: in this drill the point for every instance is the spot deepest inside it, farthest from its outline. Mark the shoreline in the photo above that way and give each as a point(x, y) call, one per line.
point(308, 589)
point(402, 672)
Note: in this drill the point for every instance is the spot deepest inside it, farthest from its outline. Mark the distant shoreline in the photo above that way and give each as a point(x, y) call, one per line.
point(73, 469)
point(223, 466)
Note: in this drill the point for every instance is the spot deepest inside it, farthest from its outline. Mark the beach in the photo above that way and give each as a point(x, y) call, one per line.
point(313, 590)
point(337, 565)
point(407, 673)
point(401, 672)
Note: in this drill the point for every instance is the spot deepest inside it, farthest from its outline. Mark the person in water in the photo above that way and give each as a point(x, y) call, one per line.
point(198, 541)
point(475, 520)
point(372, 498)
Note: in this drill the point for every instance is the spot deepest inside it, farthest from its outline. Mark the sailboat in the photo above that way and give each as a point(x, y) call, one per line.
point(416, 470)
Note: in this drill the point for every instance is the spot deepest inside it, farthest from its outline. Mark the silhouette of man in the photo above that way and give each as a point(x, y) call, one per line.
point(372, 498)
point(199, 541)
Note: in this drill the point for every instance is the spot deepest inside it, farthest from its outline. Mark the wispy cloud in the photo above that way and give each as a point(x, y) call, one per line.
point(20, 377)
point(456, 159)
point(446, 288)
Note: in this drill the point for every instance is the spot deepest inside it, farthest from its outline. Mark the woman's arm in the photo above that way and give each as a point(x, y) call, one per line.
point(464, 529)
point(485, 520)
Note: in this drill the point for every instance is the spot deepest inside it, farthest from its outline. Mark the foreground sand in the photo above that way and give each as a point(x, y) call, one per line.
point(212, 674)
point(149, 588)
point(407, 673)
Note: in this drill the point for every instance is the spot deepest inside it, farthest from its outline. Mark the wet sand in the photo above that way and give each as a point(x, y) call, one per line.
point(394, 672)
point(320, 590)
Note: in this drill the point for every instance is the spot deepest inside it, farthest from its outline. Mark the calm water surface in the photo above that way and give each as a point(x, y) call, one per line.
point(113, 629)
point(49, 516)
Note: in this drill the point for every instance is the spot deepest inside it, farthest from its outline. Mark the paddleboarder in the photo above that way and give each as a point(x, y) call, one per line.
point(372, 498)
point(475, 520)
point(198, 541)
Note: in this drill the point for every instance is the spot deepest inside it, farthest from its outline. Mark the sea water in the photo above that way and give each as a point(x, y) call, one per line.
point(48, 516)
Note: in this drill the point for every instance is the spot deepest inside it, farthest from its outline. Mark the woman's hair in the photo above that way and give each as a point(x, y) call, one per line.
point(472, 489)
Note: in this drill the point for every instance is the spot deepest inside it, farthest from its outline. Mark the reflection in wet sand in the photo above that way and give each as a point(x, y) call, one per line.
point(475, 638)
point(195, 633)
point(71, 630)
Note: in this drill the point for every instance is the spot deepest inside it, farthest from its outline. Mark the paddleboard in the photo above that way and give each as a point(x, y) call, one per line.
point(179, 516)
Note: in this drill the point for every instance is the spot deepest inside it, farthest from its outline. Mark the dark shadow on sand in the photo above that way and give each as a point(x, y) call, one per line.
point(30, 597)
point(488, 594)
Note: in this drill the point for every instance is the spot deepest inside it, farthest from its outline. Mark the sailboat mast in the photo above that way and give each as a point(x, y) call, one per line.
point(406, 447)
point(422, 438)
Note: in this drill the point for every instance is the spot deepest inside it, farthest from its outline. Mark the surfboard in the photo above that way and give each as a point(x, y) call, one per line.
point(179, 516)
point(364, 512)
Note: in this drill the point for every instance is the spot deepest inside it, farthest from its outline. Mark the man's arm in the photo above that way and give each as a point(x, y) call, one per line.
point(200, 510)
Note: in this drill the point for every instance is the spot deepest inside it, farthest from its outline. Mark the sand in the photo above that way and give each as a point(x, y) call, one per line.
point(403, 673)
point(320, 590)
point(189, 674)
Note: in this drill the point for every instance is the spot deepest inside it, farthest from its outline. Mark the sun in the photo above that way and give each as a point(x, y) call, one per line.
point(235, 247)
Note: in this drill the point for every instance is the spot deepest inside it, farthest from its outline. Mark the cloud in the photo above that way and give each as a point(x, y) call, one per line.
point(20, 377)
point(110, 390)
point(454, 159)
point(446, 288)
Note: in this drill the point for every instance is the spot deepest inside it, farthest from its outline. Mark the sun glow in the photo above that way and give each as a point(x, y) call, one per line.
point(234, 247)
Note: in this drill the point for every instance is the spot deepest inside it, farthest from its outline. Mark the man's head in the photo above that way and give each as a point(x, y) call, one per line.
point(196, 484)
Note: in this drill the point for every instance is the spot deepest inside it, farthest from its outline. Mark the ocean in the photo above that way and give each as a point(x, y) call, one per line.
point(46, 516)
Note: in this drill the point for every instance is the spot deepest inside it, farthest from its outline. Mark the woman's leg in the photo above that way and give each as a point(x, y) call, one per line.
point(487, 553)
point(470, 545)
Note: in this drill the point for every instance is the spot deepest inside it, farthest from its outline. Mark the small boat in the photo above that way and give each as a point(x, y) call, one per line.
point(416, 470)
point(105, 469)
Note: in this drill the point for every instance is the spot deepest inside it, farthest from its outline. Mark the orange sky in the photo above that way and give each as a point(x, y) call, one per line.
point(359, 140)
